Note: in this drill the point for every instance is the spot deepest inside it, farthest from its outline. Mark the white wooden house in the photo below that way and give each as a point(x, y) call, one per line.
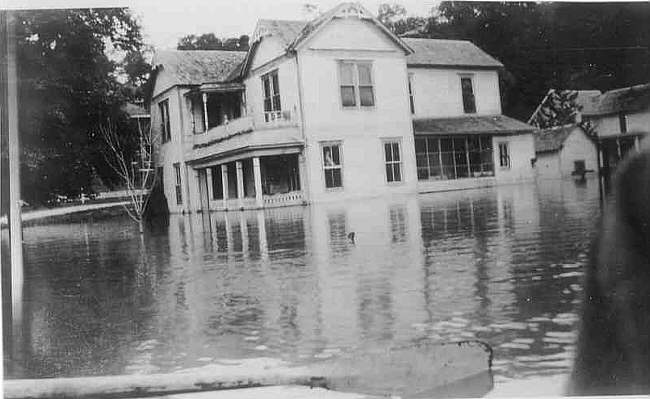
point(330, 109)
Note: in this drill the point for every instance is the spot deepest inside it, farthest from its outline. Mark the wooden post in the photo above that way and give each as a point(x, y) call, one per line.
point(224, 184)
point(257, 176)
point(240, 183)
point(15, 227)
point(205, 111)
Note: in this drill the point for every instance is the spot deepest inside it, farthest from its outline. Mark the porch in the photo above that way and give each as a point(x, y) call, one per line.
point(261, 181)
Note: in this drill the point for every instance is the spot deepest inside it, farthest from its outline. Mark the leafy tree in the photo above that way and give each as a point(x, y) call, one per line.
point(68, 84)
point(558, 108)
point(208, 41)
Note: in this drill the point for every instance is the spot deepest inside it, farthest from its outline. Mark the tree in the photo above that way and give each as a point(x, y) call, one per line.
point(68, 83)
point(135, 168)
point(558, 108)
point(208, 41)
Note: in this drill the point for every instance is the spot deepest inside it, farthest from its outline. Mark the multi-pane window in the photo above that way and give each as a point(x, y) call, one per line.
point(393, 161)
point(271, 91)
point(442, 158)
point(332, 167)
point(179, 192)
point(356, 84)
point(504, 155)
point(469, 103)
point(165, 127)
point(411, 99)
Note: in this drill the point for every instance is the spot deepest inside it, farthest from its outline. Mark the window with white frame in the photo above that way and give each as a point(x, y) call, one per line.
point(411, 99)
point(332, 165)
point(271, 92)
point(179, 192)
point(467, 88)
point(504, 155)
point(356, 82)
point(165, 127)
point(393, 161)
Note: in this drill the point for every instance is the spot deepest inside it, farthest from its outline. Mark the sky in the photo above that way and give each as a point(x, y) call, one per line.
point(164, 21)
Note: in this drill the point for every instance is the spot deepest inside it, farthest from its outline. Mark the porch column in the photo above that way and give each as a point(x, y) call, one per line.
point(208, 172)
point(302, 175)
point(257, 176)
point(240, 182)
point(224, 184)
point(205, 111)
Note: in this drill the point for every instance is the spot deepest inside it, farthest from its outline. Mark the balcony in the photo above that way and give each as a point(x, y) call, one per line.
point(277, 127)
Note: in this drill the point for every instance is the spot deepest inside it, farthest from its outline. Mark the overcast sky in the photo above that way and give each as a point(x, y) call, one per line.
point(164, 22)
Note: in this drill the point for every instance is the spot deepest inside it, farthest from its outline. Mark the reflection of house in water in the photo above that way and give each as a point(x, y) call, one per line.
point(334, 108)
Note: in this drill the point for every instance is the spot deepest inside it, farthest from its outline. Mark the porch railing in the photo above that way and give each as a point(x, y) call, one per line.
point(244, 124)
point(292, 196)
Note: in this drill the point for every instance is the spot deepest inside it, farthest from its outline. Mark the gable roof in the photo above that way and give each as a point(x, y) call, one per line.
point(551, 140)
point(476, 124)
point(439, 52)
point(194, 67)
point(627, 99)
point(285, 30)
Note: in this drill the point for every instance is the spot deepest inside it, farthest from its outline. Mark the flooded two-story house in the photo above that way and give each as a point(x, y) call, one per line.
point(335, 108)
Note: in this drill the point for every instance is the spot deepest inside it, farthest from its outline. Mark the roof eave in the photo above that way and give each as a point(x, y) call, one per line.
point(455, 66)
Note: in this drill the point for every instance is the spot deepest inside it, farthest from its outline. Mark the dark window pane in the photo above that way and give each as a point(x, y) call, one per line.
point(420, 146)
point(327, 156)
point(267, 86)
point(276, 84)
point(276, 103)
point(459, 145)
point(397, 174)
point(433, 145)
point(387, 152)
point(389, 173)
point(486, 142)
point(423, 173)
point(396, 152)
point(421, 160)
point(366, 96)
point(336, 176)
point(348, 98)
point(469, 105)
point(434, 159)
point(267, 105)
point(335, 155)
point(446, 145)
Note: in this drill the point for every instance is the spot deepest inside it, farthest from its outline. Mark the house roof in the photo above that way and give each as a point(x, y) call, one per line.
point(286, 31)
point(551, 140)
point(194, 67)
point(488, 124)
point(627, 99)
point(439, 52)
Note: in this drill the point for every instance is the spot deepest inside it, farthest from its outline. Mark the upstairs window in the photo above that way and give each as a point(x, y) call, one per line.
point(622, 122)
point(165, 127)
point(504, 155)
point(469, 103)
point(393, 161)
point(411, 100)
point(356, 84)
point(332, 165)
point(271, 91)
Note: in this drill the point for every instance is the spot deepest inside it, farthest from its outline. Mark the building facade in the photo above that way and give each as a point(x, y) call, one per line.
point(565, 152)
point(330, 109)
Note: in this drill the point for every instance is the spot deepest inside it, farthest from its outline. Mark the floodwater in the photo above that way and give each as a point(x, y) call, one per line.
point(503, 265)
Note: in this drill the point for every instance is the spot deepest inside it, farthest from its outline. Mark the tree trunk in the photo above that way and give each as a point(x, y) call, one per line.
point(141, 226)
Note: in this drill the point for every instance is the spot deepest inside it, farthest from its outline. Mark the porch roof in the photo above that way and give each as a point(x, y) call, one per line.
point(218, 87)
point(241, 144)
point(486, 124)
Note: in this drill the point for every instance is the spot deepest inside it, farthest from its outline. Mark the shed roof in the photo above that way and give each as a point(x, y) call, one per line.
point(487, 124)
point(551, 140)
point(193, 67)
point(439, 52)
point(627, 99)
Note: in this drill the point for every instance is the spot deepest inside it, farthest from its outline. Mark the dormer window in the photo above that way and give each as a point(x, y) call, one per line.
point(271, 91)
point(467, 88)
point(356, 84)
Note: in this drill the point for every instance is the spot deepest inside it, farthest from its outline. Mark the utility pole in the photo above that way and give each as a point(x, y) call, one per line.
point(10, 128)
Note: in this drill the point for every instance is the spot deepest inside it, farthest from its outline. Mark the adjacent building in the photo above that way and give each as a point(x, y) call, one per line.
point(330, 109)
point(619, 119)
point(565, 152)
